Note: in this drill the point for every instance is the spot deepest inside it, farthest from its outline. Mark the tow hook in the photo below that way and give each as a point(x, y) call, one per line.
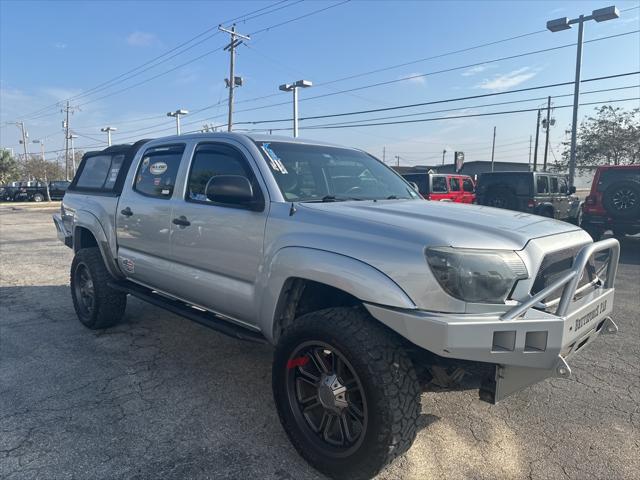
point(609, 326)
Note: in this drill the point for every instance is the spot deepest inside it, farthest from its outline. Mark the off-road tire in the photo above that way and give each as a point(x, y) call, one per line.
point(38, 197)
point(389, 382)
point(629, 192)
point(108, 304)
point(501, 198)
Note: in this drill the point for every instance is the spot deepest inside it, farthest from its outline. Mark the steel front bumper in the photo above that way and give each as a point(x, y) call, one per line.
point(526, 344)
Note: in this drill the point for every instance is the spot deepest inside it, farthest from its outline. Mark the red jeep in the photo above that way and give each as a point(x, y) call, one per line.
point(446, 187)
point(614, 202)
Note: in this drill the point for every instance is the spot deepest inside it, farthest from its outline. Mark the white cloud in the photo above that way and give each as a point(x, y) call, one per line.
point(142, 39)
point(60, 45)
point(475, 70)
point(416, 78)
point(508, 80)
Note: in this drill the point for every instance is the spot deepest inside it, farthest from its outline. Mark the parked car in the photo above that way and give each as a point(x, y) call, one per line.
point(363, 288)
point(443, 187)
point(613, 202)
point(540, 193)
point(34, 191)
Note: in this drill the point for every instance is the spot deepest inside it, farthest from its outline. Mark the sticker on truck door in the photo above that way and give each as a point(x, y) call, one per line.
point(158, 168)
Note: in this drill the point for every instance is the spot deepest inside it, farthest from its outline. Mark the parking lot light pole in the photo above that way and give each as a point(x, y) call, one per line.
point(293, 87)
point(41, 142)
point(108, 130)
point(177, 114)
point(557, 25)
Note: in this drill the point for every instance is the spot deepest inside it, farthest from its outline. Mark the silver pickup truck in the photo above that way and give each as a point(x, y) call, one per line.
point(369, 293)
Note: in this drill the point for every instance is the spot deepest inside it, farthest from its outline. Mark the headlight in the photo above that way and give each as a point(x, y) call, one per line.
point(479, 276)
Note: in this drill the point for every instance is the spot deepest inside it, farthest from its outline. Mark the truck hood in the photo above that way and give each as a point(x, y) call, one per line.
point(450, 224)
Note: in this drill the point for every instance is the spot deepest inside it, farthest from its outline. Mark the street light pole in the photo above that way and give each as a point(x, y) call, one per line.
point(293, 87)
point(557, 25)
point(108, 130)
point(177, 114)
point(493, 147)
point(73, 153)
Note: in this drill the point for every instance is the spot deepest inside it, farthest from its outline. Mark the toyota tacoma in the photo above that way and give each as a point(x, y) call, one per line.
point(368, 294)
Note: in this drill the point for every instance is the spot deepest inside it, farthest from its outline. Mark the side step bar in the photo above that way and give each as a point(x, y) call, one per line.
point(207, 319)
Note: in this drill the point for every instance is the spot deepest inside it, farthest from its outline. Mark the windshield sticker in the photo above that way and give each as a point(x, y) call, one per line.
point(145, 164)
point(276, 163)
point(165, 191)
point(158, 168)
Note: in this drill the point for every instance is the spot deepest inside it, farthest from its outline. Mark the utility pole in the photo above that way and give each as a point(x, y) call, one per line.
point(535, 149)
point(25, 135)
point(493, 147)
point(444, 152)
point(530, 141)
point(73, 154)
point(67, 131)
point(232, 82)
point(398, 160)
point(108, 130)
point(546, 140)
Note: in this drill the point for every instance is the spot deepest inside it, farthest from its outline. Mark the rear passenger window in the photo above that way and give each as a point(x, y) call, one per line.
point(211, 160)
point(158, 169)
point(439, 185)
point(554, 184)
point(454, 184)
point(542, 184)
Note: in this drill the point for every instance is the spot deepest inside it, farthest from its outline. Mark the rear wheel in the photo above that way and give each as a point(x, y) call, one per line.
point(346, 392)
point(38, 197)
point(96, 303)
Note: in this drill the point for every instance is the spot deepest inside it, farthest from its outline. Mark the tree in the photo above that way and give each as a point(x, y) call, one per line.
point(611, 137)
point(9, 170)
point(43, 171)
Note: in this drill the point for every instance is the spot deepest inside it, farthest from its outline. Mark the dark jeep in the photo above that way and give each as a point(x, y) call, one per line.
point(540, 193)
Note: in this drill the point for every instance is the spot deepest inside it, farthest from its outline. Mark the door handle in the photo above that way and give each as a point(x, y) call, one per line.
point(126, 212)
point(181, 221)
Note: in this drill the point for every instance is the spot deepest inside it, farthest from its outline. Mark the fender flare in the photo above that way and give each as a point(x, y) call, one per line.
point(85, 219)
point(348, 274)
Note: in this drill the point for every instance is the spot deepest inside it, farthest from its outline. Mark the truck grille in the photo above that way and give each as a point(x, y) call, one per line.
point(556, 264)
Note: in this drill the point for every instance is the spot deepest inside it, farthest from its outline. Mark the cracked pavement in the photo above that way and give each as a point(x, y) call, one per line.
point(161, 397)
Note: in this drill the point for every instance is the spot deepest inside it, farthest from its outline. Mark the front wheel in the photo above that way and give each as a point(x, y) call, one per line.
point(346, 392)
point(38, 197)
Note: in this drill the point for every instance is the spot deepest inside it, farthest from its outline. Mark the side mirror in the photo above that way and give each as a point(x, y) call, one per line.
point(572, 189)
point(232, 190)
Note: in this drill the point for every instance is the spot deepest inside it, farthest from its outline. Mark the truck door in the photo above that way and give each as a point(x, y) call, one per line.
point(218, 246)
point(143, 216)
point(438, 190)
point(455, 189)
point(468, 190)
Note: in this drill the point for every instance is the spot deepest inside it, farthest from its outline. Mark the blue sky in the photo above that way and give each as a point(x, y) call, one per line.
point(50, 51)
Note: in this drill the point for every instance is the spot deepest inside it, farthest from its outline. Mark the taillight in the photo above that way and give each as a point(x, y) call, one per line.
point(531, 203)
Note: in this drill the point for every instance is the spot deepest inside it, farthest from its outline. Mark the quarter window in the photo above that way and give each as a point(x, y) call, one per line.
point(542, 184)
point(94, 172)
point(157, 172)
point(467, 185)
point(439, 185)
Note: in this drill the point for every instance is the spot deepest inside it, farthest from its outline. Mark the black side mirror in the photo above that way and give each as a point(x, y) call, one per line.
point(572, 189)
point(232, 190)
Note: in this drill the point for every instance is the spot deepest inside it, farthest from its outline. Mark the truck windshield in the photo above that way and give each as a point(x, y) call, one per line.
point(314, 173)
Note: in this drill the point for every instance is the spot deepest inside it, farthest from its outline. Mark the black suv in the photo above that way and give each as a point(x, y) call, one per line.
point(37, 191)
point(540, 193)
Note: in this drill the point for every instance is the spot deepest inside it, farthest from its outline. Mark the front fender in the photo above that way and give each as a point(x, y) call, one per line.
point(357, 278)
point(85, 219)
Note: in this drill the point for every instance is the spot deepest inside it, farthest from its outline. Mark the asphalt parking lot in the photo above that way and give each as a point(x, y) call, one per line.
point(161, 397)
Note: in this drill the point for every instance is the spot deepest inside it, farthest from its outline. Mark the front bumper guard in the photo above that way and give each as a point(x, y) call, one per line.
point(525, 344)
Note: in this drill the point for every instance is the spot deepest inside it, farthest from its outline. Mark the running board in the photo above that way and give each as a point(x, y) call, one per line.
point(183, 309)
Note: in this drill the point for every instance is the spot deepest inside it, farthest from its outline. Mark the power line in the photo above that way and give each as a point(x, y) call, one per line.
point(103, 84)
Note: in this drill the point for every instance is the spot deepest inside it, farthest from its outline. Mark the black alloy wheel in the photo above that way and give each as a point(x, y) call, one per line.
point(327, 398)
point(84, 290)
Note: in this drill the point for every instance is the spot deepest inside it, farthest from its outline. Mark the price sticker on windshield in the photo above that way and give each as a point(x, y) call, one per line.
point(276, 163)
